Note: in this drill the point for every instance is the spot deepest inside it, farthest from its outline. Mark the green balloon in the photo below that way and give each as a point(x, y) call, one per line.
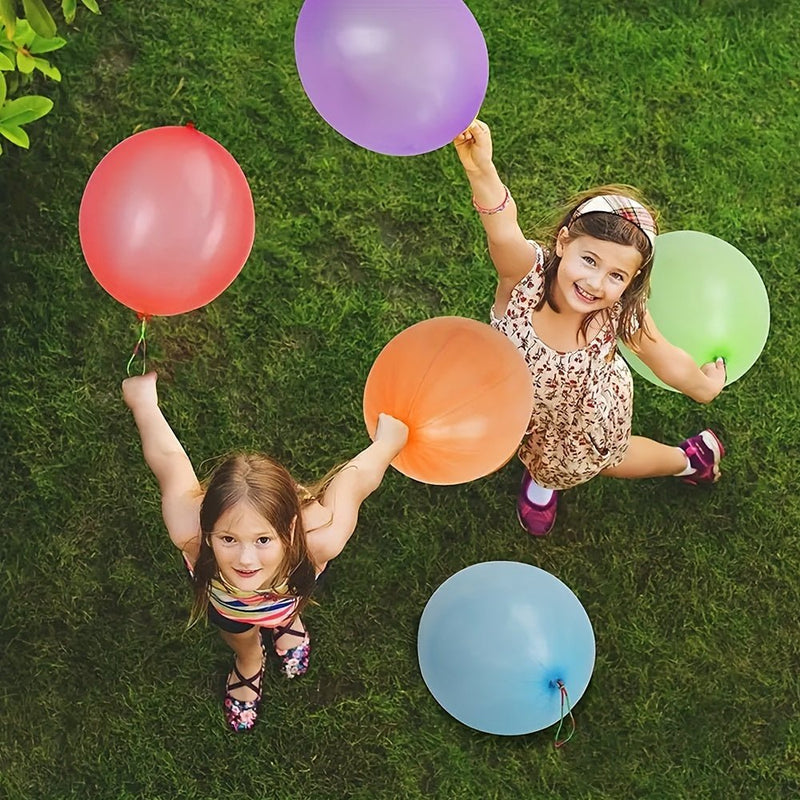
point(708, 299)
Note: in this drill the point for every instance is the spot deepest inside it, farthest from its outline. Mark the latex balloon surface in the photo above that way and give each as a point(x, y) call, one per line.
point(399, 78)
point(709, 300)
point(464, 391)
point(494, 641)
point(166, 221)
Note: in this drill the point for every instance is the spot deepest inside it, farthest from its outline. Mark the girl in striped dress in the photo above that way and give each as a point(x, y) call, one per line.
point(254, 541)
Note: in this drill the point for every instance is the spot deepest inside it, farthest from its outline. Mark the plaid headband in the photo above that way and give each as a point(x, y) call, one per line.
point(625, 207)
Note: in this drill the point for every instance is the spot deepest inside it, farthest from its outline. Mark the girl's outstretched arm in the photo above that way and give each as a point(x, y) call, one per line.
point(511, 253)
point(676, 367)
point(163, 453)
point(351, 485)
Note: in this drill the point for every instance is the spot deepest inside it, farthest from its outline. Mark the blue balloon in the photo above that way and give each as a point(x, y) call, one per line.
point(495, 640)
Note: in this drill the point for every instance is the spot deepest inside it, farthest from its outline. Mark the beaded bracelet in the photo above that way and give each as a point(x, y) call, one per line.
point(496, 209)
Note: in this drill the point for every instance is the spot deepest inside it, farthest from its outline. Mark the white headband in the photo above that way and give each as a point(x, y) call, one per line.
point(625, 207)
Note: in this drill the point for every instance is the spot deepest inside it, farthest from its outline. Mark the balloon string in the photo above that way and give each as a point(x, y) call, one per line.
point(141, 345)
point(564, 701)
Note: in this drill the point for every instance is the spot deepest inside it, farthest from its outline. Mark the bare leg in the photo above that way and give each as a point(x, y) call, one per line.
point(247, 647)
point(648, 459)
point(288, 640)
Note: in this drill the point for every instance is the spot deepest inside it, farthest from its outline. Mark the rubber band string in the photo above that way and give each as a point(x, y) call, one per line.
point(141, 346)
point(564, 701)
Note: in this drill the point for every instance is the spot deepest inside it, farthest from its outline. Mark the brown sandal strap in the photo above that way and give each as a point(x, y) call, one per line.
point(278, 631)
point(248, 682)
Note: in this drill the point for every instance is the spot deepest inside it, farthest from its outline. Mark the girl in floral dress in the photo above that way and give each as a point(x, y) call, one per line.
point(254, 541)
point(564, 305)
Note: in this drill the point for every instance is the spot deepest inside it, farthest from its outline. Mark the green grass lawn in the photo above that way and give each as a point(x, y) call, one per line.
point(693, 594)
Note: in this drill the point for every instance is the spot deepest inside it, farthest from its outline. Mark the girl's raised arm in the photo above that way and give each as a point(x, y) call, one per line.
point(511, 253)
point(354, 482)
point(180, 490)
point(676, 367)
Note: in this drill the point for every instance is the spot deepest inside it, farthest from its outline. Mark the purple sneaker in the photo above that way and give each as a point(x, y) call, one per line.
point(537, 520)
point(704, 452)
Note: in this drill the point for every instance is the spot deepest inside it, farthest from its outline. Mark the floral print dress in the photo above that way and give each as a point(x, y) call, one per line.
point(583, 399)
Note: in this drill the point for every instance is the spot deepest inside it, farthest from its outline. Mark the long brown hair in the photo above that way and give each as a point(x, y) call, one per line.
point(271, 491)
point(609, 228)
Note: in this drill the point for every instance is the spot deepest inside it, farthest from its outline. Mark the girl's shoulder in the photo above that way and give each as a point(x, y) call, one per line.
point(527, 292)
point(542, 253)
point(190, 552)
point(626, 325)
point(181, 514)
point(534, 279)
point(314, 514)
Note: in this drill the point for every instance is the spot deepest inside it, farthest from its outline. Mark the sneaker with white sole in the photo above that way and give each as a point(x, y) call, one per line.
point(704, 452)
point(537, 519)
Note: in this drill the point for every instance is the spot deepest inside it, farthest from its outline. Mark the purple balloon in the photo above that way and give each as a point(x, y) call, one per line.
point(400, 77)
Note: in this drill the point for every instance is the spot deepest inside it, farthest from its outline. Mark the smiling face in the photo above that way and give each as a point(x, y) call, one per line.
point(248, 550)
point(593, 273)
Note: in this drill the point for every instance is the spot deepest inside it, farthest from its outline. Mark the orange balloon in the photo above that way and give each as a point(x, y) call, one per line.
point(464, 391)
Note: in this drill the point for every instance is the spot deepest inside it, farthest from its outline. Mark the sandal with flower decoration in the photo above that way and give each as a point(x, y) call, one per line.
point(241, 715)
point(294, 661)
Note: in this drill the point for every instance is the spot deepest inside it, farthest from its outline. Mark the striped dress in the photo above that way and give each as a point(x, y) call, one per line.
point(269, 609)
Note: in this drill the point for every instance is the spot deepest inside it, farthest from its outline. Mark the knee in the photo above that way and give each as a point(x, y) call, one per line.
point(613, 472)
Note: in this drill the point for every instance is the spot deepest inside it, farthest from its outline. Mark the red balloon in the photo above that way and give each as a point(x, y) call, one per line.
point(464, 391)
point(166, 220)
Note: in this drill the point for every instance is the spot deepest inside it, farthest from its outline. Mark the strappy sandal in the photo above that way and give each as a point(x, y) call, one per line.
point(294, 661)
point(241, 715)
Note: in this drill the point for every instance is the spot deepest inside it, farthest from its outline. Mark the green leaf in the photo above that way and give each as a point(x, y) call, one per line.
point(40, 45)
point(68, 8)
point(24, 110)
point(40, 18)
point(3, 91)
point(24, 34)
point(25, 62)
point(8, 16)
point(47, 68)
point(15, 135)
point(6, 63)
point(92, 6)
